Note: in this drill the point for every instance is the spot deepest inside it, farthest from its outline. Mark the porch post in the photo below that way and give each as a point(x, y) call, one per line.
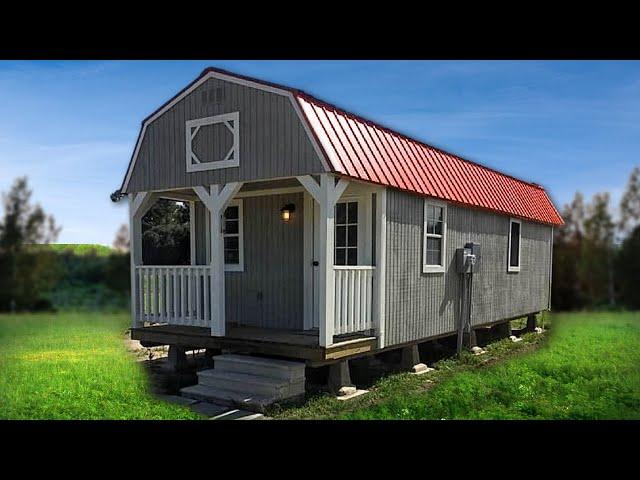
point(379, 279)
point(216, 201)
point(139, 204)
point(326, 194)
point(192, 232)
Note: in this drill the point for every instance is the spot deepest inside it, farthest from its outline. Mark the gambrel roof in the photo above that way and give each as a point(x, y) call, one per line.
point(364, 150)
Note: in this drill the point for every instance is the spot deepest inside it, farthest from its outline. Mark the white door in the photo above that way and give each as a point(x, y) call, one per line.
point(352, 213)
point(316, 265)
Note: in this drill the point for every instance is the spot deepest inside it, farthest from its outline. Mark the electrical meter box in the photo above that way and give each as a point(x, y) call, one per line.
point(463, 261)
point(475, 250)
point(468, 258)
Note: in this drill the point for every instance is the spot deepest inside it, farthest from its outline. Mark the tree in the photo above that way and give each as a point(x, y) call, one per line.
point(599, 233)
point(165, 234)
point(121, 242)
point(630, 203)
point(24, 223)
point(568, 286)
point(628, 269)
point(27, 270)
point(573, 215)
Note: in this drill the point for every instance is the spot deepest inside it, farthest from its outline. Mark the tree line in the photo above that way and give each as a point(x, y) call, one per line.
point(36, 275)
point(596, 262)
point(596, 254)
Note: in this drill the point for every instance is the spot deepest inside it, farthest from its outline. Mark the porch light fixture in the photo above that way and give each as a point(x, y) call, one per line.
point(287, 211)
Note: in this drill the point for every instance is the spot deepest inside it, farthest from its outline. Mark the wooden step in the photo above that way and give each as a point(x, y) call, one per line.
point(266, 367)
point(251, 384)
point(225, 397)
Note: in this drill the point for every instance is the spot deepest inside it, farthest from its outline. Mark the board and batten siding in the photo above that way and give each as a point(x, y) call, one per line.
point(269, 292)
point(422, 305)
point(273, 140)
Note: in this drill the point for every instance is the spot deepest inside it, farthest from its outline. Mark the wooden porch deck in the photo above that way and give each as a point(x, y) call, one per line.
point(298, 344)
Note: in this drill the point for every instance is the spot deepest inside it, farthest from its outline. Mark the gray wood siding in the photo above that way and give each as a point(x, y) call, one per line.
point(269, 292)
point(422, 305)
point(273, 142)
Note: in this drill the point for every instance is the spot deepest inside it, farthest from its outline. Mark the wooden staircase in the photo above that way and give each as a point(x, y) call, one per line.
point(248, 382)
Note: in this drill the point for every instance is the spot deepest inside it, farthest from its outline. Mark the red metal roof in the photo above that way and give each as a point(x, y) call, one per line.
point(360, 149)
point(363, 150)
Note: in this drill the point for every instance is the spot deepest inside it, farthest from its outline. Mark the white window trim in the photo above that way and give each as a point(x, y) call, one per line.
point(237, 267)
point(364, 225)
point(359, 244)
point(509, 267)
point(232, 122)
point(434, 268)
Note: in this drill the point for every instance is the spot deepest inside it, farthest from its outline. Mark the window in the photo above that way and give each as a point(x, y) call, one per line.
point(515, 227)
point(434, 242)
point(229, 124)
point(346, 233)
point(233, 238)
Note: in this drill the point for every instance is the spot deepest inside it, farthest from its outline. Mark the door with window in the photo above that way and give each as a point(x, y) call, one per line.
point(352, 239)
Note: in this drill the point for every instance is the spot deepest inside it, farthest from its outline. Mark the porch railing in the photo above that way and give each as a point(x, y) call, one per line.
point(353, 290)
point(177, 295)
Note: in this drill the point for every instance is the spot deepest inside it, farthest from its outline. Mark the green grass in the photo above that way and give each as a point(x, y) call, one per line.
point(588, 368)
point(74, 366)
point(82, 248)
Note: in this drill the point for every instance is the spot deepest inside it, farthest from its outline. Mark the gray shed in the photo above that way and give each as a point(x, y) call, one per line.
point(319, 235)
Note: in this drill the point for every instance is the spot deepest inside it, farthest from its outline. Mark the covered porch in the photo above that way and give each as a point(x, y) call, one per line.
point(293, 268)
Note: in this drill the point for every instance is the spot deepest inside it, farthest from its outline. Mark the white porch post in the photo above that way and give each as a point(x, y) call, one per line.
point(192, 232)
point(139, 204)
point(379, 280)
point(326, 194)
point(216, 201)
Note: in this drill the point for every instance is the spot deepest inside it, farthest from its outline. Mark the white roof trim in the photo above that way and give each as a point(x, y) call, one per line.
point(239, 81)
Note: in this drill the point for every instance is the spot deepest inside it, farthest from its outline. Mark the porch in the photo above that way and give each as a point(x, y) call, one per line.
point(325, 290)
point(299, 344)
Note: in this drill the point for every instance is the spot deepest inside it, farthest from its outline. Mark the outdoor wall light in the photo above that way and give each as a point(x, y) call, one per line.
point(287, 211)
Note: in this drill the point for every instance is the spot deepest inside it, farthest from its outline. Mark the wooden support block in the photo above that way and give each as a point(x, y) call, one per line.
point(531, 322)
point(410, 357)
point(177, 358)
point(469, 339)
point(339, 376)
point(501, 330)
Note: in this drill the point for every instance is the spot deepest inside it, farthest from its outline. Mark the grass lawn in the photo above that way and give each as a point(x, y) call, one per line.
point(73, 366)
point(587, 368)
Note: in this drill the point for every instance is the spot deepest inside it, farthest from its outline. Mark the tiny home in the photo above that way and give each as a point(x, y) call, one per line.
point(319, 236)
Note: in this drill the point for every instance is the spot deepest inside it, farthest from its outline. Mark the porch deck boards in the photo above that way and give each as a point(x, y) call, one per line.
point(298, 344)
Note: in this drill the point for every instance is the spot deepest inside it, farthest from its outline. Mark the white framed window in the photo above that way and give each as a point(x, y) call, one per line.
point(346, 233)
point(232, 158)
point(434, 237)
point(515, 234)
point(233, 237)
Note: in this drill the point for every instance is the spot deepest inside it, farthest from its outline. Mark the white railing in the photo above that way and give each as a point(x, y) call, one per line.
point(177, 295)
point(353, 290)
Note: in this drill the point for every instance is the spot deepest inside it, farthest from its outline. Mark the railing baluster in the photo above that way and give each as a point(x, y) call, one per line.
point(369, 301)
point(338, 303)
point(167, 293)
point(174, 310)
point(198, 308)
point(357, 300)
point(182, 299)
point(207, 299)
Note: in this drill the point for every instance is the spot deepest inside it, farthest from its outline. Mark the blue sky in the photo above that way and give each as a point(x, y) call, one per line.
point(71, 126)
